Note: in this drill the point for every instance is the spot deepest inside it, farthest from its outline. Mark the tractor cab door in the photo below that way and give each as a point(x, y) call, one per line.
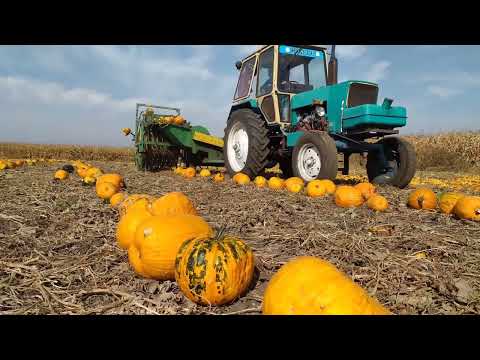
point(266, 85)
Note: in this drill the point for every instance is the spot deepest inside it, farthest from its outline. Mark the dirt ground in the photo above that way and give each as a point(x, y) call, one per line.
point(58, 253)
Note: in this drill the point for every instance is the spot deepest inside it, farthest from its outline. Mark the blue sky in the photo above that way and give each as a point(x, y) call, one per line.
point(85, 94)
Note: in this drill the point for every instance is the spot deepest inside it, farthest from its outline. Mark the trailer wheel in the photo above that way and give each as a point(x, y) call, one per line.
point(400, 156)
point(246, 143)
point(315, 157)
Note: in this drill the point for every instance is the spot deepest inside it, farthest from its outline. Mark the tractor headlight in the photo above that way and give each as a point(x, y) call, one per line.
point(320, 111)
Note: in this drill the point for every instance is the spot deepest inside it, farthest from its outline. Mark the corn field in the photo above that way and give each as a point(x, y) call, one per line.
point(449, 151)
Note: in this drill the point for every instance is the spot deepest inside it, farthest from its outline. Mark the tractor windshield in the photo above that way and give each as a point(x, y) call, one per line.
point(300, 69)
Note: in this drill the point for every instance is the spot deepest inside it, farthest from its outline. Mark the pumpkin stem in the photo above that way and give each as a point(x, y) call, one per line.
point(420, 201)
point(221, 232)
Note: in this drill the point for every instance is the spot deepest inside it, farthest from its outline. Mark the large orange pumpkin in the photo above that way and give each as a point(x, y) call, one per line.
point(214, 271)
point(294, 180)
point(106, 190)
point(172, 204)
point(294, 187)
point(448, 200)
point(348, 196)
point(366, 189)
point(311, 286)
point(468, 208)
point(422, 198)
point(316, 188)
point(128, 224)
point(157, 241)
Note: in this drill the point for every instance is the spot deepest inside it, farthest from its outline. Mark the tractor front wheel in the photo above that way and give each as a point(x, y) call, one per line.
point(401, 160)
point(246, 143)
point(315, 157)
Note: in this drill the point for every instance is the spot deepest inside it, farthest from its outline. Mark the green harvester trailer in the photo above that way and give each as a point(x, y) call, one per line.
point(160, 144)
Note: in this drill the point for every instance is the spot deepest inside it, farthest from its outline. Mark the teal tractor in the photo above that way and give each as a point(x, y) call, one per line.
point(163, 139)
point(290, 110)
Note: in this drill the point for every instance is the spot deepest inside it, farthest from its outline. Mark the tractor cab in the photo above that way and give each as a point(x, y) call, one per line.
point(275, 73)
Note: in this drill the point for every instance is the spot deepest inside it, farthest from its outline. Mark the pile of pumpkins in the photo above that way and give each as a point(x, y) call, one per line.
point(13, 164)
point(460, 205)
point(344, 196)
point(166, 239)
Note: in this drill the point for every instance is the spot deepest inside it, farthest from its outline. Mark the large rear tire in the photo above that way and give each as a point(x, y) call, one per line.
point(400, 155)
point(246, 143)
point(315, 157)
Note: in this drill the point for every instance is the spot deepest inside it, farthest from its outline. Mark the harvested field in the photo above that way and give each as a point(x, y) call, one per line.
point(59, 255)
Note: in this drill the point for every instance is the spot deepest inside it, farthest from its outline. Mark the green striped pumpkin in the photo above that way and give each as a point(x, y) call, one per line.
point(214, 271)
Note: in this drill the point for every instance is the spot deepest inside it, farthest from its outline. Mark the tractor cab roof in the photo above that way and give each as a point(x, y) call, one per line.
point(263, 47)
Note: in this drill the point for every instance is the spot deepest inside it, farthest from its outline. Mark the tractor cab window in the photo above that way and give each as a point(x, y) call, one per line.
point(265, 73)
point(300, 69)
point(245, 79)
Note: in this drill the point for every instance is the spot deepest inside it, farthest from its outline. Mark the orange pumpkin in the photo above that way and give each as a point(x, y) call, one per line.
point(178, 120)
point(241, 179)
point(468, 208)
point(294, 187)
point(127, 226)
point(316, 188)
point(172, 204)
point(377, 203)
point(190, 172)
point(294, 180)
point(82, 171)
point(60, 175)
point(275, 183)
point(158, 240)
point(366, 189)
point(116, 199)
point(94, 172)
point(311, 286)
point(205, 173)
point(422, 198)
point(348, 196)
point(447, 201)
point(218, 177)
point(106, 190)
point(114, 179)
point(260, 181)
point(144, 201)
point(329, 185)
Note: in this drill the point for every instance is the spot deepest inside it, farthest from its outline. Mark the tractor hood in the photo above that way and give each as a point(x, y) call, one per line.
point(352, 104)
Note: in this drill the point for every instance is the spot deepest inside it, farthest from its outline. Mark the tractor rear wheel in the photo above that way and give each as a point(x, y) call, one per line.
point(315, 157)
point(401, 158)
point(246, 143)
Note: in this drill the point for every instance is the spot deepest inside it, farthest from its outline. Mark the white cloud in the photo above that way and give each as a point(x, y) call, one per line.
point(20, 90)
point(245, 50)
point(349, 52)
point(443, 92)
point(378, 71)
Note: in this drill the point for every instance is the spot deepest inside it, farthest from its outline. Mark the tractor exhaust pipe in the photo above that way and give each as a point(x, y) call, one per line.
point(333, 68)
